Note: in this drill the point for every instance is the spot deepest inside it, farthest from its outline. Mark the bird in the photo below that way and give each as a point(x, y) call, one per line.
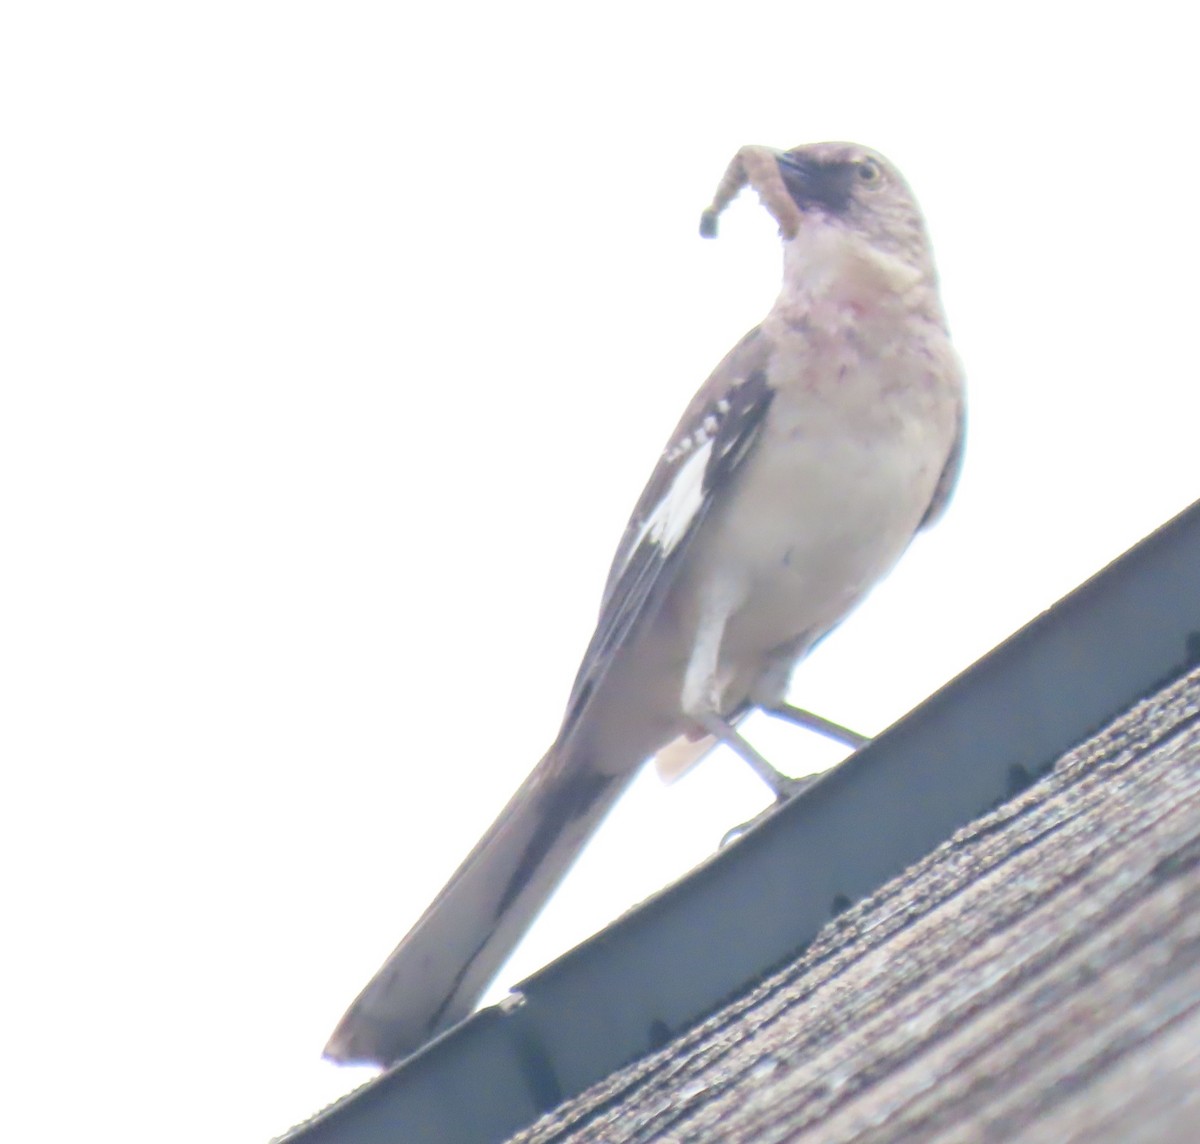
point(824, 441)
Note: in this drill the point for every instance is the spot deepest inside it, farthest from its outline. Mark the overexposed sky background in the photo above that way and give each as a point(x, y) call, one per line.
point(338, 341)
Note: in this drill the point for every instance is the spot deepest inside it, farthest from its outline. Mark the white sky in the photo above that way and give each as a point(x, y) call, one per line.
point(338, 341)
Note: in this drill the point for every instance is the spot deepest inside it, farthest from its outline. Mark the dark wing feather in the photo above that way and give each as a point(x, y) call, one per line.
point(949, 476)
point(728, 412)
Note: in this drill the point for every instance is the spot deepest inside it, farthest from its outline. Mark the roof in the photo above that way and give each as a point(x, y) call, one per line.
point(966, 974)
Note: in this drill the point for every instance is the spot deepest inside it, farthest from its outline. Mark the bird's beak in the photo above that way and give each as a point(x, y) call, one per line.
point(800, 177)
point(811, 184)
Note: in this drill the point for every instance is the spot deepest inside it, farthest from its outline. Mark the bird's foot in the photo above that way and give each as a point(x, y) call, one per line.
point(795, 787)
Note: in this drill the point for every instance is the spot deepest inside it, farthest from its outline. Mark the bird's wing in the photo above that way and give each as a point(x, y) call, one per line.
point(949, 477)
point(716, 434)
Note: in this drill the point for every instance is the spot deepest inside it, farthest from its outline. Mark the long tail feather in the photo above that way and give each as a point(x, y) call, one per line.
point(436, 975)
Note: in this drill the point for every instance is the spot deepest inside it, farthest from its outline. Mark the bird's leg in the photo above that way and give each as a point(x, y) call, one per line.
point(757, 166)
point(818, 723)
point(782, 786)
point(700, 696)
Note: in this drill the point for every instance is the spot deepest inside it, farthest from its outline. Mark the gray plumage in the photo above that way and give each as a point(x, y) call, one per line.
point(794, 481)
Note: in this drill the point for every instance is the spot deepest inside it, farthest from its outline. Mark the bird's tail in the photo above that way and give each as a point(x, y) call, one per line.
point(436, 975)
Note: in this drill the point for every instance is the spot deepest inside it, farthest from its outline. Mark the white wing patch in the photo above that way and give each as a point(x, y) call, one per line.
point(667, 525)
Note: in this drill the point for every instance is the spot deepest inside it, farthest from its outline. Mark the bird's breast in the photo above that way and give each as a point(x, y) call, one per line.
point(846, 469)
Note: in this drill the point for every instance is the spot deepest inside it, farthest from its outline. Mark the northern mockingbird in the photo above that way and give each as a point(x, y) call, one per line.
point(797, 476)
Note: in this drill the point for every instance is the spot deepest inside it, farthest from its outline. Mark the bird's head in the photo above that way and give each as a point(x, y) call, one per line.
point(850, 186)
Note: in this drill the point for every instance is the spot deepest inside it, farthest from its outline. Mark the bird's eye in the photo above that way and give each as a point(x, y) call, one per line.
point(869, 172)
